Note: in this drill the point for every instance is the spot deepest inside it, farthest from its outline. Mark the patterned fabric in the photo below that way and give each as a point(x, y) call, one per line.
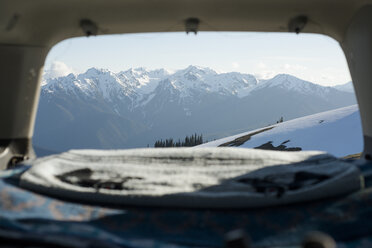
point(208, 178)
point(27, 215)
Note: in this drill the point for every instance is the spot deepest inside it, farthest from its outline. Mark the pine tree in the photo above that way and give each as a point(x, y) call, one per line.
point(193, 140)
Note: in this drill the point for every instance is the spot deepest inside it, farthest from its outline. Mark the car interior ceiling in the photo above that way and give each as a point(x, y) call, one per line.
point(31, 29)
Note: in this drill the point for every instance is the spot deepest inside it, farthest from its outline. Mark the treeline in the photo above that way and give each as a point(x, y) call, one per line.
point(193, 140)
point(281, 119)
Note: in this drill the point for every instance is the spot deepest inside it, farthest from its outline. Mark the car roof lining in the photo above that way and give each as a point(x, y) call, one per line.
point(46, 22)
point(28, 29)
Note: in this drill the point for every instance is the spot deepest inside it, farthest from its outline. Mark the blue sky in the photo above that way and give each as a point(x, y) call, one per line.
point(316, 58)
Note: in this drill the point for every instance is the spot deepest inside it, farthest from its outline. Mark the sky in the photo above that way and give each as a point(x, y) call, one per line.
point(316, 58)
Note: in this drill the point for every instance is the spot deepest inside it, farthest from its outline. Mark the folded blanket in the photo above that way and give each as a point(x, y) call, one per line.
point(191, 177)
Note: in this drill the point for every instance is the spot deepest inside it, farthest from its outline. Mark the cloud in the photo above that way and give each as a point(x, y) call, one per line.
point(262, 71)
point(57, 69)
point(295, 67)
point(235, 65)
point(265, 74)
point(261, 65)
point(267, 71)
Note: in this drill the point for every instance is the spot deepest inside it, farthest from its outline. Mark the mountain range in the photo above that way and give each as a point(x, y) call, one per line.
point(136, 107)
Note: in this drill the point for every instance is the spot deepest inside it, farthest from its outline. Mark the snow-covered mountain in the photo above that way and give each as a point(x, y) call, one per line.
point(140, 85)
point(348, 87)
point(337, 131)
point(133, 108)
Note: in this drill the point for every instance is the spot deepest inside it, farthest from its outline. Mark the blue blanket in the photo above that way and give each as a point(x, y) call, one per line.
point(25, 215)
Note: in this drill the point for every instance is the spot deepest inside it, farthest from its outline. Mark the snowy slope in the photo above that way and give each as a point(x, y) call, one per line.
point(133, 83)
point(199, 79)
point(294, 84)
point(348, 87)
point(337, 132)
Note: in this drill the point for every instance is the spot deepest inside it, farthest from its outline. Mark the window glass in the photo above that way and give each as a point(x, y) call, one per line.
point(252, 90)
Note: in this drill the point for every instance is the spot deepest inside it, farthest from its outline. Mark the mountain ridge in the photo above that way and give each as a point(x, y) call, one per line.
point(140, 106)
point(140, 83)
